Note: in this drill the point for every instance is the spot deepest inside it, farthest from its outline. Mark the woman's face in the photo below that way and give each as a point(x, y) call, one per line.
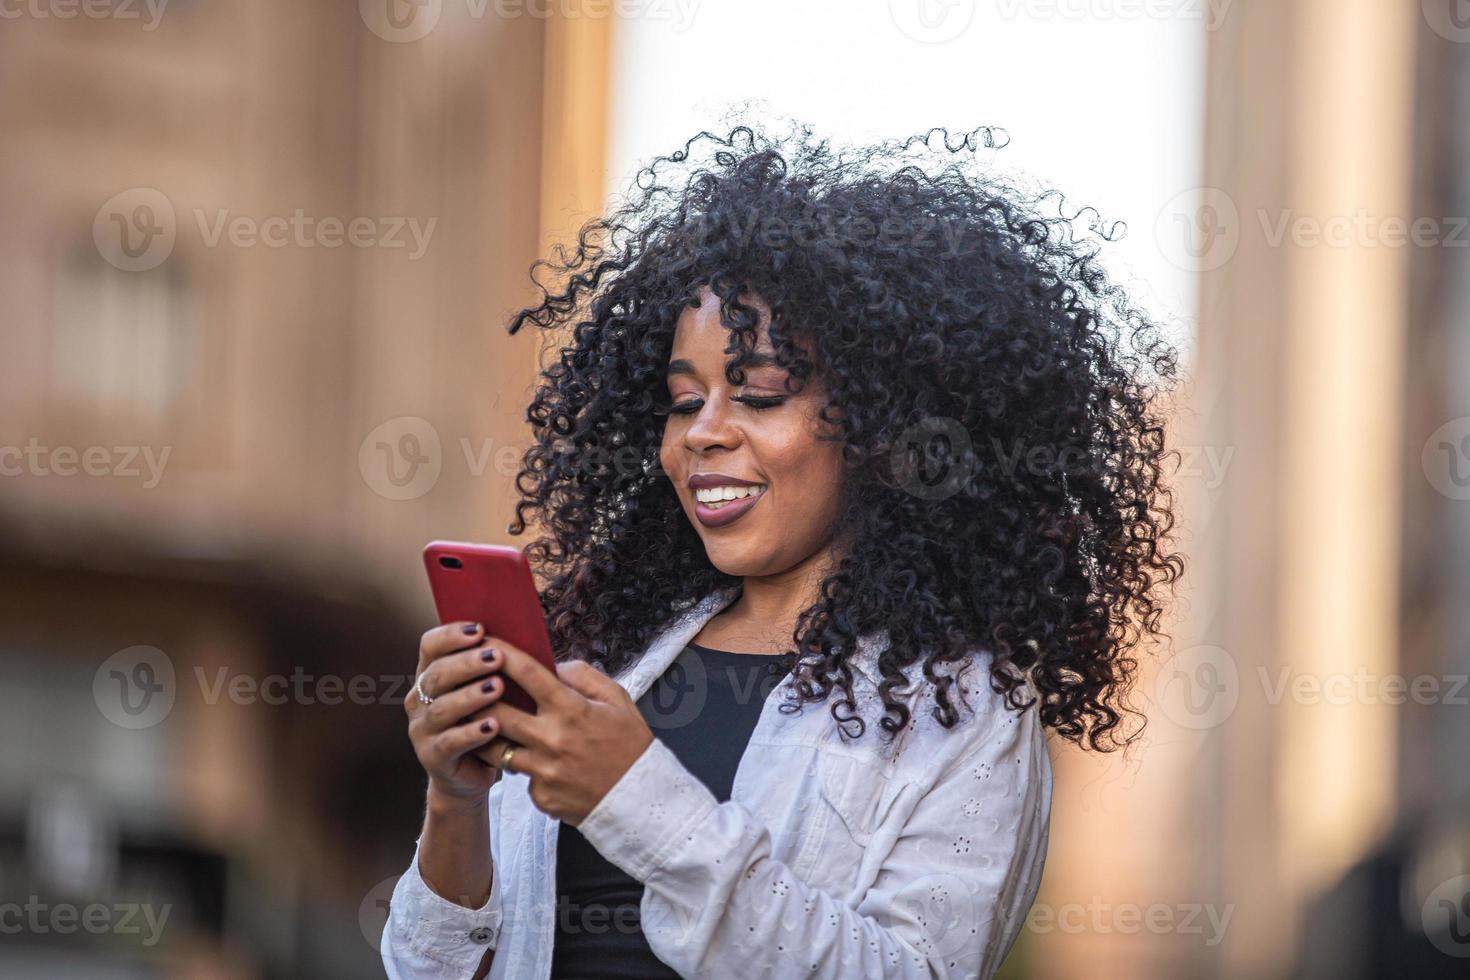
point(757, 440)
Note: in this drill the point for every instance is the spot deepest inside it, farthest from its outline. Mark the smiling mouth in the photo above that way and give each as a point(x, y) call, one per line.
point(719, 506)
point(717, 497)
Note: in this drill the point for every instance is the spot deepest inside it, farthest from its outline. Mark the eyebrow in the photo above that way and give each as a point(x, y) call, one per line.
point(682, 366)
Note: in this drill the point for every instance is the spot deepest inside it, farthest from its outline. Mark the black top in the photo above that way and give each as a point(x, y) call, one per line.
point(703, 707)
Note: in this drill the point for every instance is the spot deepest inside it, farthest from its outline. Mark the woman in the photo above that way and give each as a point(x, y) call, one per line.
point(878, 425)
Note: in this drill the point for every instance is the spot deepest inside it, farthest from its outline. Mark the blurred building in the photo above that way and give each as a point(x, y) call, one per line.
point(1299, 806)
point(256, 265)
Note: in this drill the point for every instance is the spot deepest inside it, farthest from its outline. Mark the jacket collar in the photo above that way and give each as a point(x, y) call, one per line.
point(639, 676)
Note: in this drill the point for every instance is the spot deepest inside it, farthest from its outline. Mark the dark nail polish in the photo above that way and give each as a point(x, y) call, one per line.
point(472, 629)
point(488, 686)
point(485, 727)
point(488, 655)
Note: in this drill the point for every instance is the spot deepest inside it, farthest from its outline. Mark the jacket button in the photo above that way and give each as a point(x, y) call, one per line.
point(480, 936)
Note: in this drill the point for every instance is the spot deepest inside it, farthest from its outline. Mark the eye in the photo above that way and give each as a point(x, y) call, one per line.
point(689, 407)
point(760, 402)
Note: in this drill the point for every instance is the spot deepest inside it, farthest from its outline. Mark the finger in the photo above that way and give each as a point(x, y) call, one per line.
point(587, 680)
point(541, 684)
point(444, 640)
point(464, 704)
point(458, 669)
point(454, 742)
point(519, 726)
point(491, 753)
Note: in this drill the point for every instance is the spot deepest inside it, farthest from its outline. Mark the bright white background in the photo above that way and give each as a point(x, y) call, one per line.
point(1102, 99)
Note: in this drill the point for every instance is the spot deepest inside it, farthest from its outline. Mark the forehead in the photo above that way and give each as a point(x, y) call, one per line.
point(699, 336)
point(691, 366)
point(704, 316)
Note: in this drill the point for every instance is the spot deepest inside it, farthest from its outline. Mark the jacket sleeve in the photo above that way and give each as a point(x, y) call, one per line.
point(428, 937)
point(946, 902)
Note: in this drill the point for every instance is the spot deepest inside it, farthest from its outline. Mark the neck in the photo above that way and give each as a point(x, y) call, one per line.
point(764, 615)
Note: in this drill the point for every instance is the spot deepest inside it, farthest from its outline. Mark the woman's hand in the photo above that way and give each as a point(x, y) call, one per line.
point(455, 670)
point(585, 734)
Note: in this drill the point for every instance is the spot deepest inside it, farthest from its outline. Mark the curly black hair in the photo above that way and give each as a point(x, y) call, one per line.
point(997, 397)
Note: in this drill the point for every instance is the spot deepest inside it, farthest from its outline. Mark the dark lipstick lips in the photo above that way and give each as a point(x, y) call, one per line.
point(703, 481)
point(731, 511)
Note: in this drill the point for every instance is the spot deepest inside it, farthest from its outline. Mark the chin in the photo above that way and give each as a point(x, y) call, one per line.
point(739, 562)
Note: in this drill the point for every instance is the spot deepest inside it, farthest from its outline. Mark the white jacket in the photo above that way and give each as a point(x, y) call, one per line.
point(833, 858)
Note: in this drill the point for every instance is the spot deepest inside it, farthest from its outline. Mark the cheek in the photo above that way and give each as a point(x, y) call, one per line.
point(668, 459)
point(809, 471)
point(807, 505)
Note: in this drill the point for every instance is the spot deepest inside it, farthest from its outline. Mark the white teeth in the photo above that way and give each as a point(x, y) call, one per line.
point(715, 495)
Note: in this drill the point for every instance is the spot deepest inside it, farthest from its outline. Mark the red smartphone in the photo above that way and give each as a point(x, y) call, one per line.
point(492, 585)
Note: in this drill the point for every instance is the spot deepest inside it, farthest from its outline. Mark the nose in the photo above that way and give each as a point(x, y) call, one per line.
point(712, 428)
